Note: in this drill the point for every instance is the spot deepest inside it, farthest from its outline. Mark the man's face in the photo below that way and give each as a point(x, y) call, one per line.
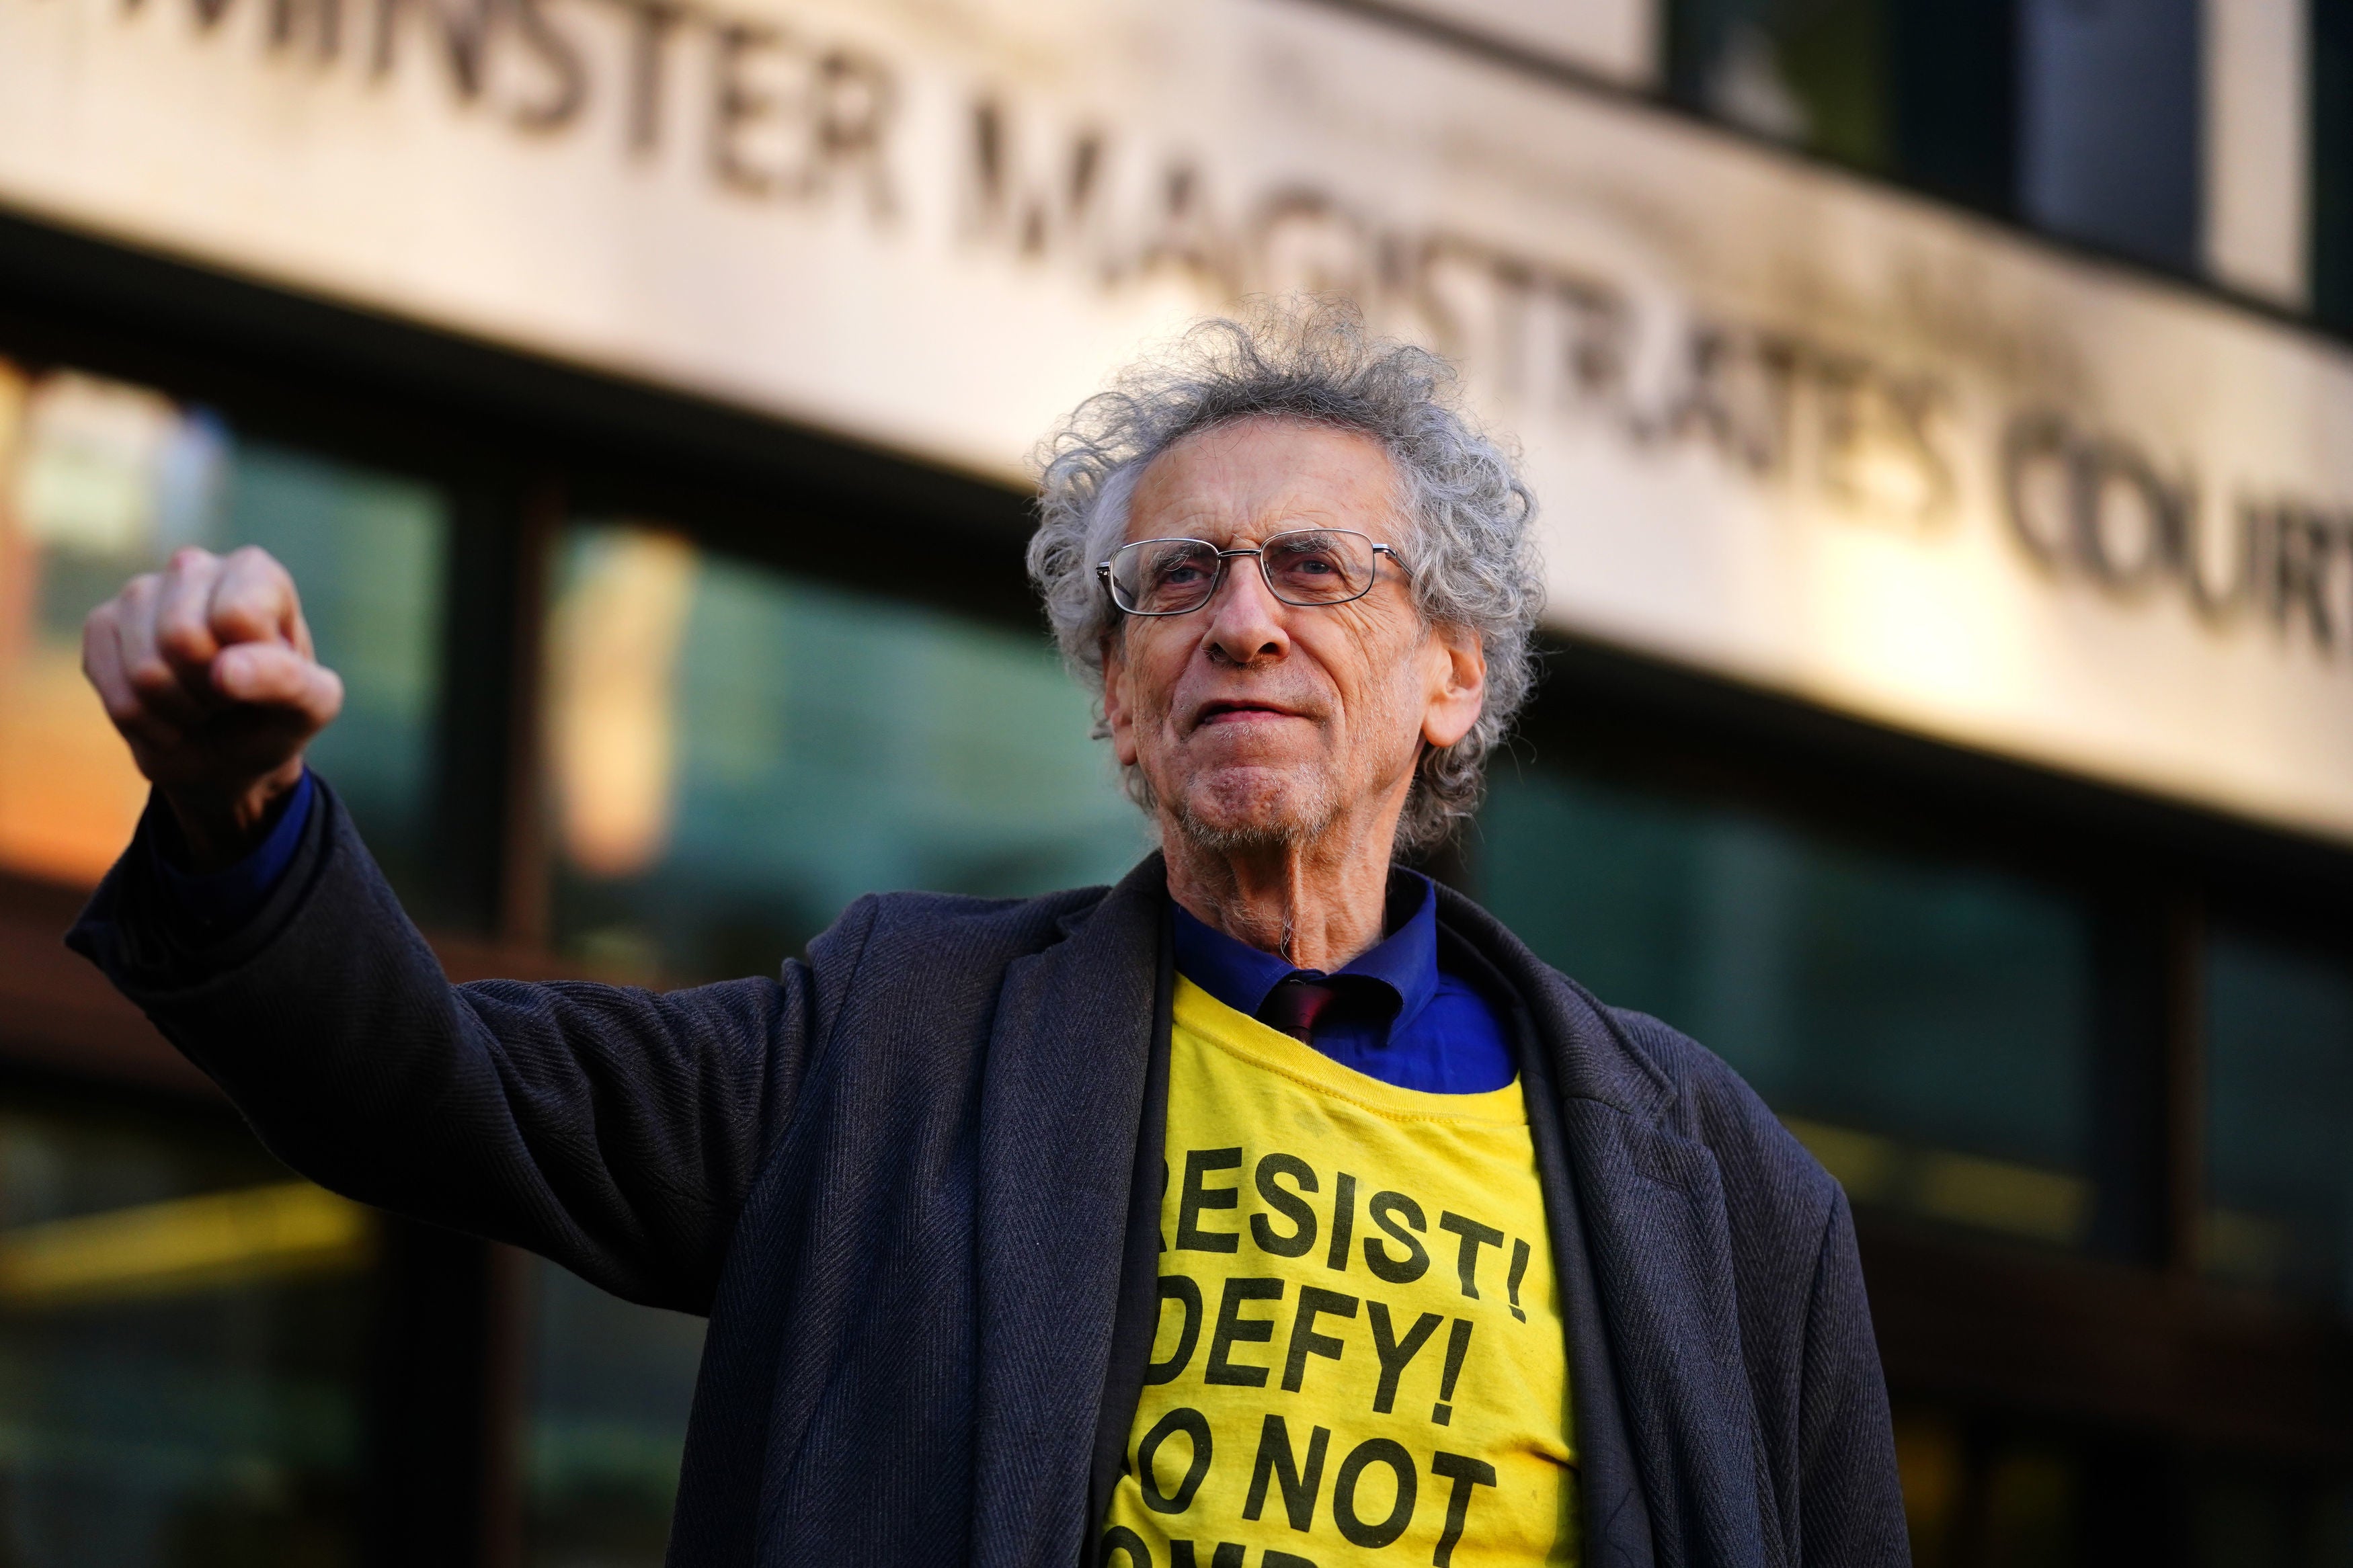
point(1258, 722)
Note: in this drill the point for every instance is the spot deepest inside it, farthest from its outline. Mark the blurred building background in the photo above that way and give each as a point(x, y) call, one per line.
point(1944, 417)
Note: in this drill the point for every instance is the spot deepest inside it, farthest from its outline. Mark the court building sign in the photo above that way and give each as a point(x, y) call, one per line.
point(1786, 425)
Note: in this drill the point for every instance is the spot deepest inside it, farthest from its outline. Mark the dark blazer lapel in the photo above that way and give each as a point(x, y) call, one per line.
point(1650, 1206)
point(1061, 1096)
point(1654, 1213)
point(1614, 1528)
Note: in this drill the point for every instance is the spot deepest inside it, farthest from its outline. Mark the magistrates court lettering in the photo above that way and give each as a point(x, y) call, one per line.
point(774, 113)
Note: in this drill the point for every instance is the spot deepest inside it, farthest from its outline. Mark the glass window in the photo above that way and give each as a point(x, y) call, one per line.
point(2111, 148)
point(1982, 1492)
point(735, 755)
point(1984, 1486)
point(1923, 1027)
point(1924, 91)
point(2279, 1099)
point(1812, 72)
point(182, 1347)
point(2330, 181)
point(100, 480)
point(611, 1385)
point(2243, 1516)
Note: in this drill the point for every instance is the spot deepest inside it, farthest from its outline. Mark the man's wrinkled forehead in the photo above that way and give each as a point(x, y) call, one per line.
point(1257, 476)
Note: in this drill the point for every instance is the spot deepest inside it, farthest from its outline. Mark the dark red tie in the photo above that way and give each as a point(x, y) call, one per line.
point(1295, 1003)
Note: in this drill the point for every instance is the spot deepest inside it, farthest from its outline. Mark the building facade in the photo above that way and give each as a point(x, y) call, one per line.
point(1943, 420)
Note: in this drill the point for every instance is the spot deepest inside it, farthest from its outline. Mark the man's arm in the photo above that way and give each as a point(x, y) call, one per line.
point(1850, 1506)
point(612, 1129)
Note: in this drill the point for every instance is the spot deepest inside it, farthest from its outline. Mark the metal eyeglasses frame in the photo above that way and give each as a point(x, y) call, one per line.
point(1103, 571)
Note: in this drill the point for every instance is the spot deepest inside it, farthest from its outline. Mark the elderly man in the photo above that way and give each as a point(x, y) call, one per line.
point(1273, 1208)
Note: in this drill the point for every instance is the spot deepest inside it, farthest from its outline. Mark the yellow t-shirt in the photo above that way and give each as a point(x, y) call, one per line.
point(1360, 1356)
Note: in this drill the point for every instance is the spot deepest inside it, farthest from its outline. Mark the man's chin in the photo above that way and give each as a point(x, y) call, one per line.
point(1245, 808)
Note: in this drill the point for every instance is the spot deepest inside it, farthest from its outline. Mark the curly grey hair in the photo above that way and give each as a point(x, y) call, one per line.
point(1472, 555)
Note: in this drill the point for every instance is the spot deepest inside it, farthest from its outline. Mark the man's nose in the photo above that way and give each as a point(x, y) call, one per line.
point(1246, 621)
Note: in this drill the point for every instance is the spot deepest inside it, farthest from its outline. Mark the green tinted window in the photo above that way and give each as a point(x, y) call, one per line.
point(1923, 1026)
point(1922, 90)
point(611, 1383)
point(369, 553)
point(736, 756)
point(182, 1347)
point(1813, 72)
point(2279, 1097)
point(100, 480)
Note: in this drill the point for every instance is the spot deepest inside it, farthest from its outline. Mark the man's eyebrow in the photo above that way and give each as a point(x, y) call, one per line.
point(1185, 523)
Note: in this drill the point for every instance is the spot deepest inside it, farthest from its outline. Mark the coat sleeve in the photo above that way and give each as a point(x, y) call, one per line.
point(614, 1129)
point(1849, 1504)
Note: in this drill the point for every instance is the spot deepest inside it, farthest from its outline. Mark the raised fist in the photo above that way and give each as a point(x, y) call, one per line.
point(207, 670)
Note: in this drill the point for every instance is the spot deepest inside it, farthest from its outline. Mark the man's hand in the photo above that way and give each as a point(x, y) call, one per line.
point(207, 670)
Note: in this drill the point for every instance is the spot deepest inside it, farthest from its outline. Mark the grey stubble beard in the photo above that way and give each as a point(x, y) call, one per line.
point(1289, 830)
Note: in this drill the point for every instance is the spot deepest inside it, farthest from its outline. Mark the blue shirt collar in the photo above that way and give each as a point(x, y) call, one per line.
point(1405, 961)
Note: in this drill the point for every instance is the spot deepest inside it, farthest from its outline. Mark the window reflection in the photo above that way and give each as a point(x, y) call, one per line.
point(182, 1348)
point(1926, 92)
point(736, 756)
point(1923, 1028)
point(2279, 1097)
point(2243, 1516)
point(611, 1385)
point(1979, 1492)
point(100, 480)
point(1989, 1489)
point(1813, 74)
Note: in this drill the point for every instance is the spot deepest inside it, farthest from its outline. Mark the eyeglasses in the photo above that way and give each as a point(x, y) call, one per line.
point(1308, 566)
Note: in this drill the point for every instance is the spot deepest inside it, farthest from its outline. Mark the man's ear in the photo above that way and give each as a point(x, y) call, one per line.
point(1458, 685)
point(1119, 714)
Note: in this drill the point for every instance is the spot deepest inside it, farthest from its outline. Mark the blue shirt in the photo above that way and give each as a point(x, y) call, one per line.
point(1443, 1037)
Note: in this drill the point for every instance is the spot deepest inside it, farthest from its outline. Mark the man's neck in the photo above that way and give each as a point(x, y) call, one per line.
point(1318, 904)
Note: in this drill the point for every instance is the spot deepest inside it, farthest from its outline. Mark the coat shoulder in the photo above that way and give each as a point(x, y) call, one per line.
point(1766, 1169)
point(923, 938)
point(958, 914)
point(1649, 1070)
